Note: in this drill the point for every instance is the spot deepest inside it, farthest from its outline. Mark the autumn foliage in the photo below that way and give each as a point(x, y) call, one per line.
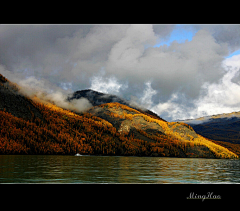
point(49, 129)
point(63, 132)
point(66, 133)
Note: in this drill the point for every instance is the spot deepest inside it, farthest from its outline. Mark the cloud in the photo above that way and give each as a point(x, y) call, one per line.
point(109, 85)
point(226, 33)
point(218, 97)
point(131, 47)
point(106, 85)
point(31, 44)
point(224, 96)
point(75, 54)
point(184, 66)
point(58, 53)
point(177, 107)
point(46, 92)
point(59, 99)
point(178, 77)
point(148, 93)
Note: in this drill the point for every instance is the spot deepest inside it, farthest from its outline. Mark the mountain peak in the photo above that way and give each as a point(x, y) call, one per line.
point(98, 98)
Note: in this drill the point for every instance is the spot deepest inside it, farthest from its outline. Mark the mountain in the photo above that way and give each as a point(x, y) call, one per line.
point(98, 98)
point(222, 128)
point(13, 102)
point(30, 126)
point(173, 139)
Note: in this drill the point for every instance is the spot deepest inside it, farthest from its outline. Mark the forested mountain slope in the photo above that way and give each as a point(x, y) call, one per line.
point(222, 128)
point(30, 126)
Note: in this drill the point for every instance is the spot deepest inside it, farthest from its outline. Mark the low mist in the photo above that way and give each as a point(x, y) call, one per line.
point(45, 92)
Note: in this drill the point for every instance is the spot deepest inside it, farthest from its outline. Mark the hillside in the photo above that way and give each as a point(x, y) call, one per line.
point(13, 102)
point(222, 128)
point(29, 126)
point(180, 137)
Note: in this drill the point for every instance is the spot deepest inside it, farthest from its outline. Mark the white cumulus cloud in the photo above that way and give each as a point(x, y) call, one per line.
point(219, 97)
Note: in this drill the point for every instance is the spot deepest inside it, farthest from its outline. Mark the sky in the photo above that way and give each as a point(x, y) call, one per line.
point(179, 71)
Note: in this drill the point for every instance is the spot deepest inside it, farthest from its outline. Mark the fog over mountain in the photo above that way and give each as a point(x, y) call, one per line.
point(177, 71)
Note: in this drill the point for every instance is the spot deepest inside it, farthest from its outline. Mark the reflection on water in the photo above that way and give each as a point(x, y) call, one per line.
point(106, 169)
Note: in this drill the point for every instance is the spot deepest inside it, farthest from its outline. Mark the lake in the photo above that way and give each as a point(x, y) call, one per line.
point(116, 169)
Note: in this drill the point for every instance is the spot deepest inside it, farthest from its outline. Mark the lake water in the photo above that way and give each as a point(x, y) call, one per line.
point(109, 169)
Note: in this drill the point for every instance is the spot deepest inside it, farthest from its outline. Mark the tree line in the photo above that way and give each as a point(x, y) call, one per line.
point(63, 132)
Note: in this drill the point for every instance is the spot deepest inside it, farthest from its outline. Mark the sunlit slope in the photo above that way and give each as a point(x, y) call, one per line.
point(221, 127)
point(181, 133)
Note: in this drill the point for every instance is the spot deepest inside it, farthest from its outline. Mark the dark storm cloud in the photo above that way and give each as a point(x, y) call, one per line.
point(226, 34)
point(30, 41)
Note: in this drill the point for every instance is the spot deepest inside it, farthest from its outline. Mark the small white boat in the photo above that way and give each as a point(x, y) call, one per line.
point(78, 154)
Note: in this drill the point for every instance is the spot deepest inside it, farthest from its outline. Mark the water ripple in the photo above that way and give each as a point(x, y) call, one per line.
point(107, 169)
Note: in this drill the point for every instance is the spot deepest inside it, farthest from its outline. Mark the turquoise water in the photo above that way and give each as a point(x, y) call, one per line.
point(109, 169)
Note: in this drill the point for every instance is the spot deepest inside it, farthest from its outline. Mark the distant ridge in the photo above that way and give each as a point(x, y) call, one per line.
point(210, 118)
point(221, 127)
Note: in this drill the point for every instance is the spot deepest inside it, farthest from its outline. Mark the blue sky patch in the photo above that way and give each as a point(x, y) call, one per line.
point(233, 54)
point(179, 34)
